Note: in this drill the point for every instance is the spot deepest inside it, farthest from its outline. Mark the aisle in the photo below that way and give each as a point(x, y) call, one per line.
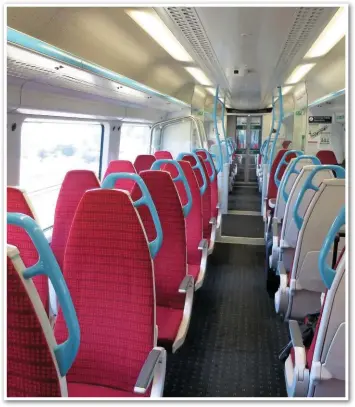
point(235, 336)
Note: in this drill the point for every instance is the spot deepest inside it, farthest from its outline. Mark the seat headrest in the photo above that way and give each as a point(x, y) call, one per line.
point(327, 157)
point(119, 166)
point(143, 162)
point(161, 155)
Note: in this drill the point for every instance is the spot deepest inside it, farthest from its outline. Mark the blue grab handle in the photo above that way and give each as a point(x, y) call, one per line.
point(340, 173)
point(65, 353)
point(327, 272)
point(197, 166)
point(146, 199)
point(209, 159)
point(293, 170)
point(223, 142)
point(181, 177)
point(282, 162)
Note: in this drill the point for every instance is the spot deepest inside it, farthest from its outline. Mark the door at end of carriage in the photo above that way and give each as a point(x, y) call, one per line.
point(248, 135)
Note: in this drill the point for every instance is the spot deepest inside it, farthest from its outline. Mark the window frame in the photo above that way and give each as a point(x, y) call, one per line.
point(54, 120)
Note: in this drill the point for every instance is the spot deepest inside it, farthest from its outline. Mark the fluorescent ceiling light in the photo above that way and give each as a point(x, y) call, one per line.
point(212, 91)
point(286, 89)
point(331, 35)
point(200, 92)
point(154, 26)
point(199, 75)
point(299, 73)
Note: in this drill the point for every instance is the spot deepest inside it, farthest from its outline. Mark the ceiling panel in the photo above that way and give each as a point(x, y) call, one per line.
point(263, 43)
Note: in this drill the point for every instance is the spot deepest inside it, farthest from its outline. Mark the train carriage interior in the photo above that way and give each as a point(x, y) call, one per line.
point(176, 188)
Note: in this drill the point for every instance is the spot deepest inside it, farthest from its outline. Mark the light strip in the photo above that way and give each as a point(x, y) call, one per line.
point(300, 72)
point(286, 89)
point(154, 26)
point(199, 75)
point(331, 35)
point(212, 91)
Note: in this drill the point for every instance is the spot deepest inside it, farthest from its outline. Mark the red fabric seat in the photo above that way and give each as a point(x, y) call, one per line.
point(193, 270)
point(160, 155)
point(18, 202)
point(143, 162)
point(121, 166)
point(168, 321)
point(170, 264)
point(75, 184)
point(327, 157)
point(31, 370)
point(214, 183)
point(193, 221)
point(108, 270)
point(272, 187)
point(206, 197)
point(90, 390)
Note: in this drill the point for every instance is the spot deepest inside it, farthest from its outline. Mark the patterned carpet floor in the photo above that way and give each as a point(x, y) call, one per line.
point(235, 335)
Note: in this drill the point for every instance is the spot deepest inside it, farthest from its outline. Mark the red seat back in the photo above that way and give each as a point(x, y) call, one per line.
point(286, 144)
point(214, 183)
point(273, 188)
point(193, 221)
point(109, 273)
point(143, 162)
point(327, 157)
point(17, 201)
point(121, 166)
point(170, 262)
point(31, 370)
point(75, 184)
point(161, 155)
point(206, 197)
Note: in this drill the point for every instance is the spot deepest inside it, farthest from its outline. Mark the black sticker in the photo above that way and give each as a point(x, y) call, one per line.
point(319, 119)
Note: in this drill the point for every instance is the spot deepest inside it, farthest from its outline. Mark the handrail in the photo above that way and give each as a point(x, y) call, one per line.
point(327, 272)
point(228, 156)
point(339, 172)
point(175, 120)
point(277, 130)
point(220, 158)
point(271, 131)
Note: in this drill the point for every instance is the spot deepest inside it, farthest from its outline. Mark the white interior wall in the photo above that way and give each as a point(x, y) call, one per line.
point(337, 134)
point(177, 138)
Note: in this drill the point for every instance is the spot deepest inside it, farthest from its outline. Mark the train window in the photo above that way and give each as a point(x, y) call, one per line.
point(48, 151)
point(134, 140)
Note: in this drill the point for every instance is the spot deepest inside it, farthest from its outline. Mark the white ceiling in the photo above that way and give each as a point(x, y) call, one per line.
point(254, 39)
point(269, 41)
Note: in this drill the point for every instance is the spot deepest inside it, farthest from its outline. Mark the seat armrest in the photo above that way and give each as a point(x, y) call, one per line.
point(186, 283)
point(275, 231)
point(218, 205)
point(297, 343)
point(272, 203)
point(146, 375)
point(203, 244)
point(281, 268)
point(213, 221)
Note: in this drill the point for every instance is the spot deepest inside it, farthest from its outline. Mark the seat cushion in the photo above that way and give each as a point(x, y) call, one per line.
point(193, 270)
point(91, 390)
point(168, 321)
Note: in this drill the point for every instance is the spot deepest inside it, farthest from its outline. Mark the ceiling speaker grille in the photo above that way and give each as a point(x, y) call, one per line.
point(306, 20)
point(190, 25)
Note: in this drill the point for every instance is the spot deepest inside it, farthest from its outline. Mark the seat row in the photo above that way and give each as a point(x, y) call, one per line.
point(304, 234)
point(124, 263)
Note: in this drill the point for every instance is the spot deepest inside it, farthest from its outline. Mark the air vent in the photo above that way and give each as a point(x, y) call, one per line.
point(20, 69)
point(190, 25)
point(306, 20)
